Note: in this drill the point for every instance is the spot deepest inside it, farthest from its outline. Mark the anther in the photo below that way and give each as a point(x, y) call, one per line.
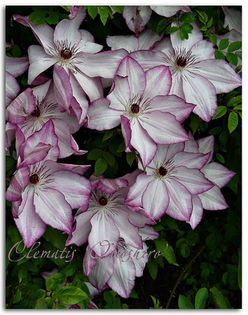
point(162, 171)
point(135, 108)
point(66, 53)
point(36, 112)
point(103, 201)
point(34, 179)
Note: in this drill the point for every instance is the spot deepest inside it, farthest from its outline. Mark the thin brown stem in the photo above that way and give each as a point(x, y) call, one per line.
point(179, 279)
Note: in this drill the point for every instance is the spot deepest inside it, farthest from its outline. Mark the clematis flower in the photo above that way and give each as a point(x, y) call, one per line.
point(145, 40)
point(214, 172)
point(75, 56)
point(196, 75)
point(14, 68)
point(107, 219)
point(44, 192)
point(137, 17)
point(233, 19)
point(169, 11)
point(169, 182)
point(147, 115)
point(118, 270)
point(34, 107)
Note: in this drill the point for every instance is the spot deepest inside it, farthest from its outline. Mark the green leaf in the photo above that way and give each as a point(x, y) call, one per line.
point(155, 303)
point(108, 134)
point(109, 158)
point(92, 10)
point(203, 28)
point(118, 8)
point(223, 137)
point(104, 13)
point(100, 166)
point(17, 297)
point(54, 281)
point(238, 68)
point(61, 306)
point(70, 295)
point(55, 237)
point(95, 154)
point(152, 268)
point(49, 302)
point(38, 17)
point(41, 304)
point(238, 107)
point(161, 26)
point(183, 35)
point(66, 8)
point(215, 131)
point(232, 58)
point(194, 123)
point(185, 250)
point(121, 147)
point(223, 43)
point(53, 18)
point(235, 100)
point(187, 28)
point(233, 120)
point(219, 55)
point(187, 17)
point(130, 157)
point(16, 51)
point(201, 298)
point(234, 46)
point(219, 300)
point(134, 295)
point(69, 270)
point(202, 16)
point(210, 22)
point(184, 302)
point(10, 163)
point(171, 224)
point(166, 251)
point(220, 158)
point(170, 30)
point(213, 39)
point(221, 111)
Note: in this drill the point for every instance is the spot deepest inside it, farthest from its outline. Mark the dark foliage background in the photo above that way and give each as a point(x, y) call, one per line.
point(198, 269)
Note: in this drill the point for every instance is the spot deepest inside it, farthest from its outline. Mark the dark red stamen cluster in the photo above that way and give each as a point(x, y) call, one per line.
point(66, 53)
point(181, 62)
point(36, 112)
point(135, 108)
point(162, 171)
point(103, 201)
point(34, 179)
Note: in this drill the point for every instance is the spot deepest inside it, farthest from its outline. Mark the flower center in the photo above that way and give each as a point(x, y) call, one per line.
point(66, 53)
point(34, 179)
point(103, 201)
point(135, 108)
point(162, 171)
point(36, 112)
point(181, 62)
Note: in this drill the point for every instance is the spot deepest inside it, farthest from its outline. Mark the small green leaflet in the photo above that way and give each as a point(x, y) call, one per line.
point(233, 120)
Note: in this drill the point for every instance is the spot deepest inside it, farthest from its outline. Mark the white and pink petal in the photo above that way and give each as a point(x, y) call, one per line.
point(101, 116)
point(52, 207)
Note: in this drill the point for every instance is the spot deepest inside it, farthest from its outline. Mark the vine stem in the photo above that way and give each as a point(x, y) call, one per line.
point(179, 279)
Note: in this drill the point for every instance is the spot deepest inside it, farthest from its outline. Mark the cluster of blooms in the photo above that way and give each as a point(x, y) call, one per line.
point(156, 83)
